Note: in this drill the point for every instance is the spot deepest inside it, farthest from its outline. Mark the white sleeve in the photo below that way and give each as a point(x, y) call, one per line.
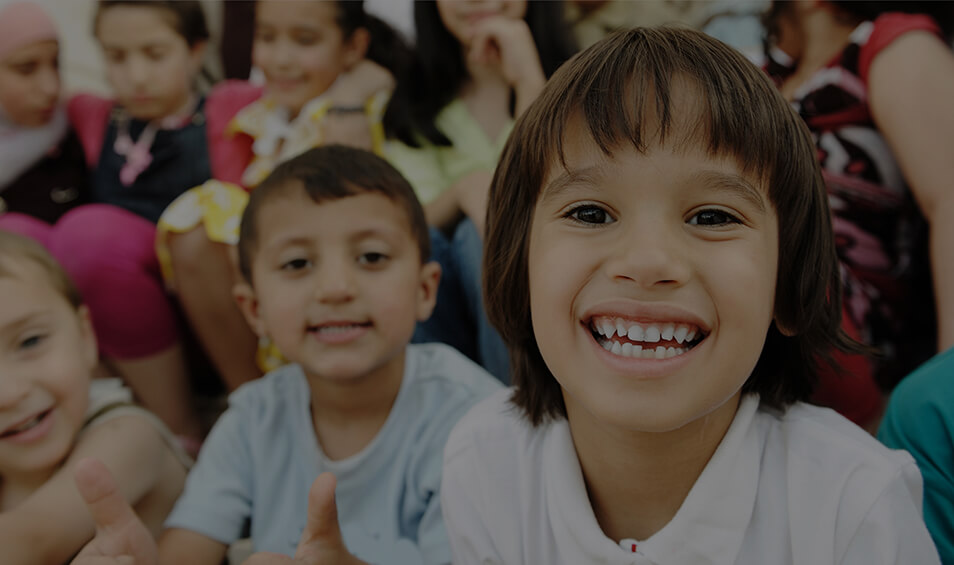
point(464, 515)
point(893, 531)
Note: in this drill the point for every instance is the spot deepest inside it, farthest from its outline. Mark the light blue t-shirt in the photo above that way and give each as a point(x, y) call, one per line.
point(262, 456)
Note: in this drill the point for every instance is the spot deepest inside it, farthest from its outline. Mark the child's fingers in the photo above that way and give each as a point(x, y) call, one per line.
point(322, 525)
point(96, 485)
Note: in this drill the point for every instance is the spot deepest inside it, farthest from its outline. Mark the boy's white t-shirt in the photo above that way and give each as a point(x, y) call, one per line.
point(260, 459)
point(806, 487)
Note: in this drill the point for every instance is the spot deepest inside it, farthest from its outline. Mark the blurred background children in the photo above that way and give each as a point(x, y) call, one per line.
point(42, 170)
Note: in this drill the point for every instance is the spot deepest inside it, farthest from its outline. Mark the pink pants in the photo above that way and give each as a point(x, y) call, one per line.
point(110, 255)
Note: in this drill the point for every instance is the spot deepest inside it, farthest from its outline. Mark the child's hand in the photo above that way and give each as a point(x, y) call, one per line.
point(321, 542)
point(121, 538)
point(508, 44)
point(359, 83)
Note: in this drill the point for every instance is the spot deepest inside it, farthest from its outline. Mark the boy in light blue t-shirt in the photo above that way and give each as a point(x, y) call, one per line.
point(332, 250)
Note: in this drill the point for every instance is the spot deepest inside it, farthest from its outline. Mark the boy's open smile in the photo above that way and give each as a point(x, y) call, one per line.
point(339, 332)
point(645, 338)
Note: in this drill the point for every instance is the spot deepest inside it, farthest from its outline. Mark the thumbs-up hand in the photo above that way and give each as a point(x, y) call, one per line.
point(121, 538)
point(321, 542)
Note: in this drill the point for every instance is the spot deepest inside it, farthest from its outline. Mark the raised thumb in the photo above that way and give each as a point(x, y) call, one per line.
point(321, 537)
point(107, 505)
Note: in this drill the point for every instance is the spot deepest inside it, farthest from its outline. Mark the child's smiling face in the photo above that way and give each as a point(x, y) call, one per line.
point(340, 285)
point(301, 49)
point(47, 353)
point(677, 248)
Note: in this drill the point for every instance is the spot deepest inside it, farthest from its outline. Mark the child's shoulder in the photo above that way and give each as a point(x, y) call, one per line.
point(815, 431)
point(274, 393)
point(439, 369)
point(828, 460)
point(495, 425)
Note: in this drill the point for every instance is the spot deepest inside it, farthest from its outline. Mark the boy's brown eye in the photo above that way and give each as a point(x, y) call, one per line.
point(713, 218)
point(590, 214)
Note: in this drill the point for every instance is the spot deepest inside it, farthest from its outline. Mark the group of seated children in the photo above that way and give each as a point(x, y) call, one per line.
point(660, 328)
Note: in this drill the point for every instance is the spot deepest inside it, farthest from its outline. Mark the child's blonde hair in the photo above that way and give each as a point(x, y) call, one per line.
point(16, 250)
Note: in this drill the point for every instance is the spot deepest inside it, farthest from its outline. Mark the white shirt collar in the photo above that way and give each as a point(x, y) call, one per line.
point(708, 528)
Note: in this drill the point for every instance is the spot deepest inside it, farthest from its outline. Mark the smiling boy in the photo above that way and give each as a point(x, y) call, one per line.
point(665, 316)
point(333, 247)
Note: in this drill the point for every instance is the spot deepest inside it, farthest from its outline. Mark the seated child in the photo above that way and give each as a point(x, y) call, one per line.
point(42, 171)
point(52, 414)
point(332, 249)
point(664, 329)
point(920, 419)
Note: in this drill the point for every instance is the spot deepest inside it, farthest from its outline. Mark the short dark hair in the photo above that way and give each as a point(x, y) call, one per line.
point(186, 16)
point(331, 172)
point(734, 110)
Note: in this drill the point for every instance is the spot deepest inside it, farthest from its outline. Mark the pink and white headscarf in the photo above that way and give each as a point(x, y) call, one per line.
point(23, 23)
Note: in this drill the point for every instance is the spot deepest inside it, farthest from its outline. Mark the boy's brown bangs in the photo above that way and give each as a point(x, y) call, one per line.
point(658, 91)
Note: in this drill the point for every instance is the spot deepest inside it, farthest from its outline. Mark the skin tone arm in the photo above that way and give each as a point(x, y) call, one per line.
point(353, 89)
point(501, 54)
point(911, 86)
point(122, 539)
point(53, 523)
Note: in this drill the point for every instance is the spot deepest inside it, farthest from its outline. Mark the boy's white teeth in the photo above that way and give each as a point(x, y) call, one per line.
point(636, 333)
point(652, 334)
point(639, 352)
point(337, 329)
point(649, 333)
point(620, 328)
point(680, 333)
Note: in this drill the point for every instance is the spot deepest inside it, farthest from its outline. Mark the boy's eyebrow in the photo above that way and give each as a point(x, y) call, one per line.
point(733, 183)
point(590, 176)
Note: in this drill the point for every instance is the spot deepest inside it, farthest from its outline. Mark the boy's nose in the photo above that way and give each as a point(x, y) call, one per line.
point(648, 254)
point(335, 285)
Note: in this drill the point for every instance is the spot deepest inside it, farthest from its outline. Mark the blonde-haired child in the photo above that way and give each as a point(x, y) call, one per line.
point(52, 413)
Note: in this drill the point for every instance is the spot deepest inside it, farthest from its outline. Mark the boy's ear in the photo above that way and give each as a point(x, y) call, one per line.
point(90, 347)
point(427, 289)
point(356, 47)
point(244, 296)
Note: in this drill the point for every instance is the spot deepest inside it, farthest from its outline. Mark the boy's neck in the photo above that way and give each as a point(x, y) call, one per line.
point(637, 481)
point(348, 415)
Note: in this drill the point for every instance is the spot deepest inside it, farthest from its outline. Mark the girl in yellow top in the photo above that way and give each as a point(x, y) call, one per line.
point(327, 69)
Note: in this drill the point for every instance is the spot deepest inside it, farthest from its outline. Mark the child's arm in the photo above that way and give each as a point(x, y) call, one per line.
point(911, 85)
point(53, 524)
point(508, 43)
point(121, 536)
point(347, 122)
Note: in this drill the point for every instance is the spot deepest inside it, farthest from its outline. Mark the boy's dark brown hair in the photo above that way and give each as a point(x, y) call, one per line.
point(327, 173)
point(678, 87)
